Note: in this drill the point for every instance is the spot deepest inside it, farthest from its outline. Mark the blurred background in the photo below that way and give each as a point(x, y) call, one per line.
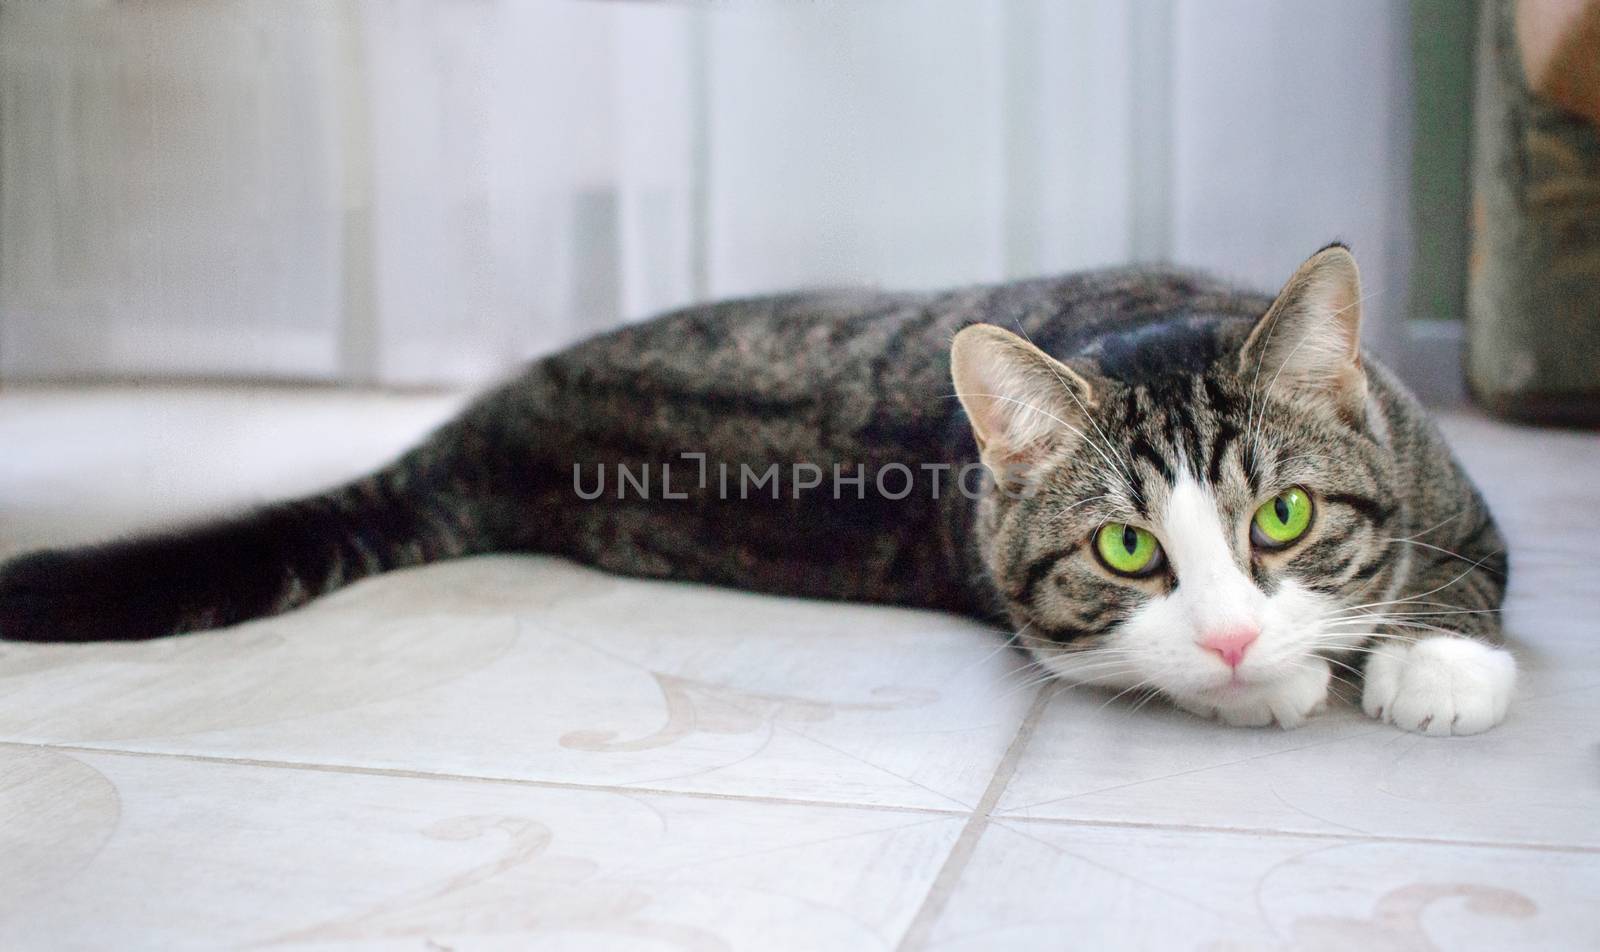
point(419, 193)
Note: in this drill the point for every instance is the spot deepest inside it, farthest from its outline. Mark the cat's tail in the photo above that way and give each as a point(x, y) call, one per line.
point(246, 566)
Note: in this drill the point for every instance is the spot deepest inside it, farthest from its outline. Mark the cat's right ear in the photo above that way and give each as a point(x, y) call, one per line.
point(1023, 404)
point(1307, 348)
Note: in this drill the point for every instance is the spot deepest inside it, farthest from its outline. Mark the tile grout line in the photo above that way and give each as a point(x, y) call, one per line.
point(955, 862)
point(933, 812)
point(403, 774)
point(1352, 836)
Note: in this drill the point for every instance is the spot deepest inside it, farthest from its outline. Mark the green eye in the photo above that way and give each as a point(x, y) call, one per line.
point(1281, 519)
point(1128, 550)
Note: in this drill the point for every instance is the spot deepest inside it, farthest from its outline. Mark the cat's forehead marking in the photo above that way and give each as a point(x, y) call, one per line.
point(1187, 424)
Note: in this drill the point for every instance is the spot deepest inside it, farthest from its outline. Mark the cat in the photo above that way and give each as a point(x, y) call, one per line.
point(1155, 481)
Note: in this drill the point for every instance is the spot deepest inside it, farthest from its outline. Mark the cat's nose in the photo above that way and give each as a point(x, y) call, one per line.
point(1231, 643)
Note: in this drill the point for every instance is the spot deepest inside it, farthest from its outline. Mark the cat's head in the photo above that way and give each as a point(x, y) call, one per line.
point(1197, 534)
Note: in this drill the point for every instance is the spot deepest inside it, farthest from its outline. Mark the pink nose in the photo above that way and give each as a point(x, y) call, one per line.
point(1231, 643)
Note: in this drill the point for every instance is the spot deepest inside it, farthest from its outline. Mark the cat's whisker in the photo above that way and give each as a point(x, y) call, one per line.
point(1092, 673)
point(1377, 618)
point(1356, 649)
point(1145, 683)
point(1100, 661)
point(1436, 526)
point(1011, 641)
point(1350, 668)
point(1036, 676)
point(1431, 591)
point(1376, 631)
point(1029, 670)
point(1073, 393)
point(1346, 683)
point(1449, 552)
point(1151, 695)
point(1020, 688)
point(1097, 672)
point(1448, 609)
point(1407, 617)
point(1052, 417)
point(1368, 584)
point(1420, 626)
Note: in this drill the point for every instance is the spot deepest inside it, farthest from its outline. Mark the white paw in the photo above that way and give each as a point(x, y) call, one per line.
point(1439, 686)
point(1287, 702)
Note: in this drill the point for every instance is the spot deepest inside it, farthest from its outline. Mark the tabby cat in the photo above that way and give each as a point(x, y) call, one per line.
point(1183, 488)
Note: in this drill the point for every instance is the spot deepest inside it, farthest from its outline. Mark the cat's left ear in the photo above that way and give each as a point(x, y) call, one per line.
point(1307, 348)
point(1023, 404)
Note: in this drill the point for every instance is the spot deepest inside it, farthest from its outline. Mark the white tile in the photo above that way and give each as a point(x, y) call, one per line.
point(1039, 885)
point(116, 851)
point(1541, 486)
point(1529, 781)
point(535, 668)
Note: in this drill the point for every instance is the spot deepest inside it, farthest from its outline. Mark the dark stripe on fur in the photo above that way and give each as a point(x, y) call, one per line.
point(1371, 568)
point(1141, 449)
point(1370, 508)
point(1065, 634)
point(1038, 570)
point(1226, 434)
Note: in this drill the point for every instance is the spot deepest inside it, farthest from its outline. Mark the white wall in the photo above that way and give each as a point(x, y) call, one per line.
point(168, 197)
point(1291, 128)
point(413, 191)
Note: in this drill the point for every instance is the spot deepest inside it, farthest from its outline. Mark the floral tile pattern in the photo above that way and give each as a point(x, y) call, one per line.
point(515, 752)
point(175, 854)
point(537, 669)
point(1035, 885)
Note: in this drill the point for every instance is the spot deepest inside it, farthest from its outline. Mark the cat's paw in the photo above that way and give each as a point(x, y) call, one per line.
point(1439, 686)
point(1286, 702)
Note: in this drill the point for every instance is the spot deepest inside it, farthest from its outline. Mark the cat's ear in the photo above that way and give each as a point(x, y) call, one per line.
point(1023, 404)
point(1307, 349)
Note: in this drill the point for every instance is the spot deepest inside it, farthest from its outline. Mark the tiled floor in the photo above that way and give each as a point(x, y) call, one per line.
point(515, 753)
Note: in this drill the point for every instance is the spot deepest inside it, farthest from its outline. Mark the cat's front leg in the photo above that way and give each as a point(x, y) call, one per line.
point(1442, 685)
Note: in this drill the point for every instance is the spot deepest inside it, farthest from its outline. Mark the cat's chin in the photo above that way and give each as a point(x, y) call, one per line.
point(1286, 701)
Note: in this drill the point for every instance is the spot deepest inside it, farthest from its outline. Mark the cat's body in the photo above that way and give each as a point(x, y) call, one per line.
point(681, 420)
